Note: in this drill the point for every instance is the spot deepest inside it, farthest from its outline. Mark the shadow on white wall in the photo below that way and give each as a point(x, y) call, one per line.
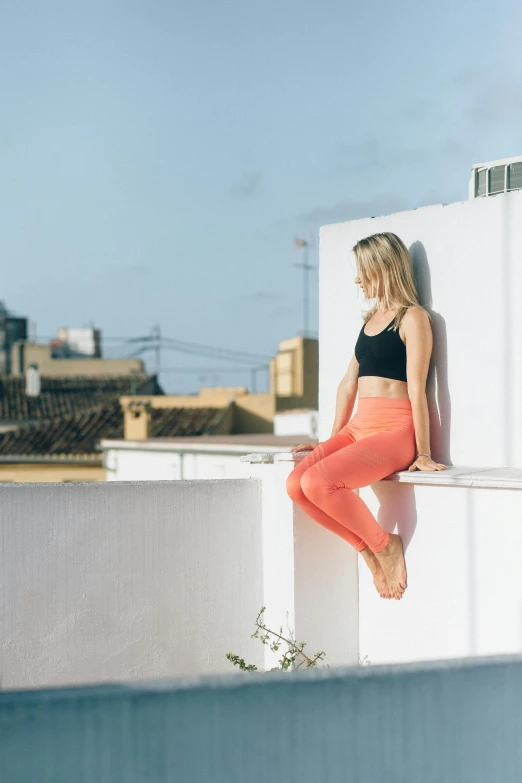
point(397, 507)
point(437, 385)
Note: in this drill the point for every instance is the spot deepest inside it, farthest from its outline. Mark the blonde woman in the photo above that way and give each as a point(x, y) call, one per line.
point(390, 429)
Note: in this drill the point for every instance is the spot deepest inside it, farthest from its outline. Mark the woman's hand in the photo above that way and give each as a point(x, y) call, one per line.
point(426, 463)
point(306, 447)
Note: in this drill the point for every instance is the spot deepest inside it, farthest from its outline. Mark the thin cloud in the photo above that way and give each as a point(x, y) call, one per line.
point(427, 111)
point(370, 156)
point(262, 295)
point(365, 154)
point(452, 148)
point(469, 77)
point(247, 186)
point(501, 99)
point(351, 209)
point(141, 269)
point(283, 310)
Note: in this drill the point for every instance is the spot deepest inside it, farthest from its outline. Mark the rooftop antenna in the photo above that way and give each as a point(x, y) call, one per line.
point(157, 348)
point(305, 244)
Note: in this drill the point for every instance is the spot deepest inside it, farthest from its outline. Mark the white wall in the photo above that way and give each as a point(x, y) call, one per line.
point(464, 594)
point(309, 571)
point(112, 581)
point(468, 261)
point(124, 581)
point(297, 423)
point(143, 463)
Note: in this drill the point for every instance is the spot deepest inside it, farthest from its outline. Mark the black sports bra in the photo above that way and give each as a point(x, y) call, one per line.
point(382, 354)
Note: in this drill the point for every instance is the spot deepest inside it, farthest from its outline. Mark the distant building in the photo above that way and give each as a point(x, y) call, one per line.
point(246, 422)
point(293, 385)
point(58, 415)
point(55, 360)
point(50, 427)
point(12, 329)
point(75, 352)
point(77, 343)
point(497, 176)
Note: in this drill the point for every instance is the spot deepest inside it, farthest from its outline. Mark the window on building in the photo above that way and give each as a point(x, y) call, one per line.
point(515, 176)
point(481, 182)
point(497, 175)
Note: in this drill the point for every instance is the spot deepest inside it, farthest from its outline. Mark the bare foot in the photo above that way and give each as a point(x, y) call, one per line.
point(379, 579)
point(391, 559)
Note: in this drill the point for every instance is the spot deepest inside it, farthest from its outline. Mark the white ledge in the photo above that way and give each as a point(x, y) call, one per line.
point(462, 476)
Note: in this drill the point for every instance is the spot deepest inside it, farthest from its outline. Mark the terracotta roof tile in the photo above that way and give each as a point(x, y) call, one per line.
point(62, 396)
point(80, 432)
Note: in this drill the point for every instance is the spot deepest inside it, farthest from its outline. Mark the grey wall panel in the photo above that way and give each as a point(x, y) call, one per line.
point(457, 722)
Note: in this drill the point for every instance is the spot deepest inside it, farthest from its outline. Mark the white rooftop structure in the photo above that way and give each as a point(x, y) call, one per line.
point(497, 176)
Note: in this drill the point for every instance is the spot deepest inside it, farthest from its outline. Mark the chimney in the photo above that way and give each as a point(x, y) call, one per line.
point(32, 381)
point(136, 420)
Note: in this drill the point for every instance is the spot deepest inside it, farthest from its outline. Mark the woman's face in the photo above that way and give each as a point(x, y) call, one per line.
point(373, 288)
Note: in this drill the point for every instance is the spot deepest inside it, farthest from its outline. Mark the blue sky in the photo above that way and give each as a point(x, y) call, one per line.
point(157, 159)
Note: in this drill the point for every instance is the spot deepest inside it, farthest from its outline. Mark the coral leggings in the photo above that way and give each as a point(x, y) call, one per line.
point(378, 440)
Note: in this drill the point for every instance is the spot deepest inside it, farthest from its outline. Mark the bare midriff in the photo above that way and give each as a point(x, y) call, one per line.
point(375, 386)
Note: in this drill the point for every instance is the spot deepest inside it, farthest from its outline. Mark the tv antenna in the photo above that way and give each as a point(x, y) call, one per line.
point(305, 245)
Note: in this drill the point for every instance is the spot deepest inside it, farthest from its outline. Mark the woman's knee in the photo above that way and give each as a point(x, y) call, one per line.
point(312, 485)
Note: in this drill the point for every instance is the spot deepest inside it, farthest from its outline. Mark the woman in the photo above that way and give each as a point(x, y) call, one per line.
point(390, 430)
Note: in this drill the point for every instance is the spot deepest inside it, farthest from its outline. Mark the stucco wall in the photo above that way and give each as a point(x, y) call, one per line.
point(119, 581)
point(464, 583)
point(468, 263)
point(464, 594)
point(133, 580)
point(138, 464)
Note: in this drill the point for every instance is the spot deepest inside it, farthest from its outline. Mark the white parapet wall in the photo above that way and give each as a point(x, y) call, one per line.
point(460, 601)
point(158, 460)
point(462, 548)
point(463, 541)
point(113, 581)
point(116, 581)
point(306, 569)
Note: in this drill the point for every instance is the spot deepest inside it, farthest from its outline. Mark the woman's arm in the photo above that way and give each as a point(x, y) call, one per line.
point(419, 344)
point(346, 394)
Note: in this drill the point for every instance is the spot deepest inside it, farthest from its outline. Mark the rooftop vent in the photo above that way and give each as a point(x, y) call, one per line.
point(497, 176)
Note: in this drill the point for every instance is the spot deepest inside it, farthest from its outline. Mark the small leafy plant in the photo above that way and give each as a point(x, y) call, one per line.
point(293, 658)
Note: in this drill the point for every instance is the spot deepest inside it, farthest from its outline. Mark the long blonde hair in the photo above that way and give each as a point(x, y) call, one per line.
point(385, 259)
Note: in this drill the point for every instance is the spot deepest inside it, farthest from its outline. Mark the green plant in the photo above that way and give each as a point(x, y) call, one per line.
point(290, 657)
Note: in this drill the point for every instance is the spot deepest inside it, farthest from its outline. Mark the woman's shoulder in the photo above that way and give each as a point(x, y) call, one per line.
point(416, 316)
point(416, 313)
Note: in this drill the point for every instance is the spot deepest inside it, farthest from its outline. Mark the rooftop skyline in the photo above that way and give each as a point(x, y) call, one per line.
point(158, 161)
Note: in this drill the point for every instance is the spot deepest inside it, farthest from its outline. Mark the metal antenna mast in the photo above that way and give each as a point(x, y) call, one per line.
point(157, 348)
point(306, 267)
